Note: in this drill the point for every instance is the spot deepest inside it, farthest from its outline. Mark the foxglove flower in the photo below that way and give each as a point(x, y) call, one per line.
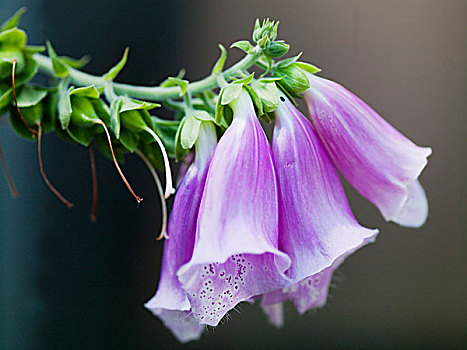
point(317, 229)
point(170, 303)
point(309, 293)
point(235, 255)
point(381, 163)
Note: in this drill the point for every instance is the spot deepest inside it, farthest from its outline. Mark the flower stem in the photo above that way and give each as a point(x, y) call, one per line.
point(151, 93)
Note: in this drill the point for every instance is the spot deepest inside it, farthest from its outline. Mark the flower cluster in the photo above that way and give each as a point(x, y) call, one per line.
point(253, 220)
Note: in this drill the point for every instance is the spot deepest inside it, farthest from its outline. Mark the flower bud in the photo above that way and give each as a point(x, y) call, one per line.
point(294, 81)
point(277, 49)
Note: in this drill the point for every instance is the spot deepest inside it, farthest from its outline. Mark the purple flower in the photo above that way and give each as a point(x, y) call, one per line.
point(381, 163)
point(309, 293)
point(170, 303)
point(235, 256)
point(317, 229)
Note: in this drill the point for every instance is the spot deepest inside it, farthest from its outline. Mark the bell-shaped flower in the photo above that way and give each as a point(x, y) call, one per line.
point(170, 303)
point(309, 293)
point(317, 229)
point(236, 254)
point(380, 162)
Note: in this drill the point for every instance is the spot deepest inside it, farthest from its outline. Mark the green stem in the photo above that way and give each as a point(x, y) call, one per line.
point(156, 93)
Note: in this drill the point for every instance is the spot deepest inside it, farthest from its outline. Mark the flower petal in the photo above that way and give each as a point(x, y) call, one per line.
point(316, 226)
point(375, 158)
point(235, 255)
point(170, 303)
point(275, 314)
point(309, 293)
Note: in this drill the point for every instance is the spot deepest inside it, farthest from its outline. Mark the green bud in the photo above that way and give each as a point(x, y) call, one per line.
point(277, 49)
point(256, 30)
point(263, 43)
point(295, 80)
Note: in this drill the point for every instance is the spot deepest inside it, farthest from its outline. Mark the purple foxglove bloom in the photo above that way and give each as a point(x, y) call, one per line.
point(317, 229)
point(170, 303)
point(309, 293)
point(235, 255)
point(275, 313)
point(381, 163)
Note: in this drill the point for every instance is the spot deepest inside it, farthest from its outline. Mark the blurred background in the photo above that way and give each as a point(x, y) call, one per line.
point(66, 283)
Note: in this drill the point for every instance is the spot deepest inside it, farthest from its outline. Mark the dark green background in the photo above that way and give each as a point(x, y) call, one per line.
point(69, 284)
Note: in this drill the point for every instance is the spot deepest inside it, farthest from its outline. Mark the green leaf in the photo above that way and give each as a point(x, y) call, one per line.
point(60, 68)
point(269, 80)
point(166, 130)
point(230, 93)
point(228, 117)
point(268, 63)
point(75, 63)
point(287, 93)
point(31, 95)
point(256, 100)
point(154, 155)
point(133, 120)
point(219, 114)
point(102, 144)
point(246, 80)
point(13, 21)
point(129, 104)
point(308, 67)
point(83, 113)
point(168, 83)
point(268, 117)
point(129, 139)
point(102, 110)
point(147, 118)
point(183, 84)
point(219, 66)
point(6, 63)
point(203, 116)
point(12, 38)
point(32, 115)
point(243, 45)
point(64, 105)
point(87, 91)
point(28, 72)
point(50, 106)
point(180, 152)
point(269, 96)
point(19, 127)
point(33, 49)
point(81, 135)
point(288, 61)
point(6, 98)
point(115, 116)
point(113, 72)
point(190, 132)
